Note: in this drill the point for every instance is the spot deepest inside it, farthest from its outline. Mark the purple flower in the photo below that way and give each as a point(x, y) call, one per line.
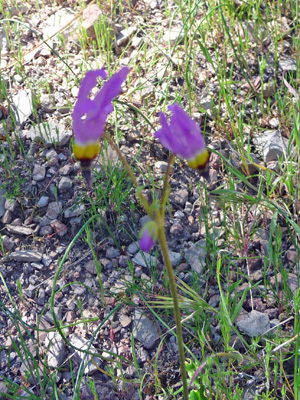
point(183, 137)
point(89, 116)
point(148, 236)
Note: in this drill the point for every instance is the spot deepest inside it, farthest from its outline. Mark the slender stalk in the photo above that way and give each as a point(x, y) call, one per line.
point(160, 220)
point(165, 252)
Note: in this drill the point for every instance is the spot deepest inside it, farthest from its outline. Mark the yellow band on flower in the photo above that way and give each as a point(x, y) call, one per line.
point(86, 151)
point(200, 160)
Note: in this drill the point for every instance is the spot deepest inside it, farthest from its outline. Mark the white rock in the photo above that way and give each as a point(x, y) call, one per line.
point(25, 256)
point(83, 344)
point(51, 134)
point(196, 256)
point(38, 173)
point(145, 260)
point(255, 323)
point(124, 35)
point(271, 145)
point(22, 104)
point(57, 21)
point(19, 230)
point(288, 64)
point(56, 350)
point(144, 329)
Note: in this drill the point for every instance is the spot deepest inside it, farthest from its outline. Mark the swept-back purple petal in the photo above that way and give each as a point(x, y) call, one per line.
point(90, 81)
point(111, 88)
point(89, 116)
point(183, 136)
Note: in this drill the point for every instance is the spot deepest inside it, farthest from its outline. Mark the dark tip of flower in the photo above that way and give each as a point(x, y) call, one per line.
point(87, 174)
point(85, 163)
point(204, 169)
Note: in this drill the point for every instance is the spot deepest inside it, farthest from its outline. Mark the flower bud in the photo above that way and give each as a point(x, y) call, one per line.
point(148, 235)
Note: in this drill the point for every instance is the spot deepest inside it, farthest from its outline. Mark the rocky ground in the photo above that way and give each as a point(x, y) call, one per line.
point(44, 202)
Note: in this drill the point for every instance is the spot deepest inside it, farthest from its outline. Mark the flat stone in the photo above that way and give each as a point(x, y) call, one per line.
point(254, 324)
point(124, 35)
point(74, 212)
point(175, 258)
point(65, 184)
point(56, 350)
point(161, 166)
point(91, 16)
point(44, 221)
point(30, 291)
point(274, 123)
point(196, 256)
point(111, 252)
point(53, 210)
point(79, 290)
point(22, 105)
point(36, 265)
point(57, 312)
point(8, 243)
point(46, 260)
point(66, 169)
point(25, 256)
point(59, 227)
point(133, 248)
point(50, 134)
point(205, 100)
point(43, 202)
point(144, 330)
point(57, 21)
point(125, 320)
point(7, 217)
point(145, 260)
point(177, 228)
point(75, 91)
point(47, 102)
point(179, 197)
point(288, 65)
point(38, 173)
point(271, 145)
point(19, 230)
point(90, 266)
point(10, 205)
point(83, 344)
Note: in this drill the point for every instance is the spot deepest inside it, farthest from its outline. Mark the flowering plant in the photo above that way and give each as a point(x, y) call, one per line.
point(182, 136)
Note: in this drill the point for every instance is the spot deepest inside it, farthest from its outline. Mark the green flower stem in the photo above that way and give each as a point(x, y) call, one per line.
point(165, 252)
point(140, 195)
point(160, 220)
